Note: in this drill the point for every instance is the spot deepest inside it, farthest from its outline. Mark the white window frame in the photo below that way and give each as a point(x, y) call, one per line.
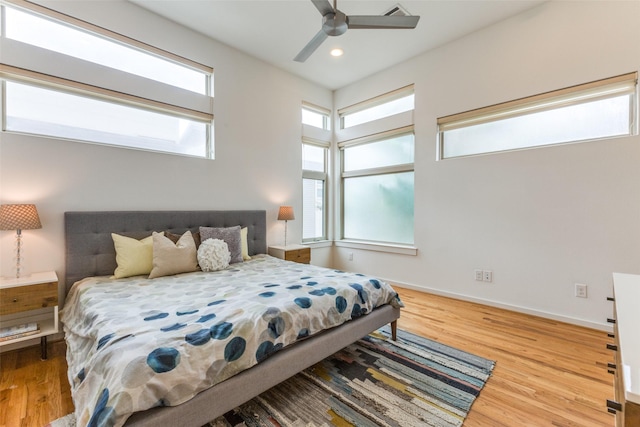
point(372, 103)
point(383, 128)
point(625, 84)
point(319, 176)
point(32, 65)
point(324, 112)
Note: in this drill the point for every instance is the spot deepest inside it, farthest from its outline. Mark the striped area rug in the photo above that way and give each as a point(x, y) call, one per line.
point(374, 382)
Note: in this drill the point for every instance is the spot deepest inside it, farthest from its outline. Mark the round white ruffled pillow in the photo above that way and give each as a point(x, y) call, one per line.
point(213, 255)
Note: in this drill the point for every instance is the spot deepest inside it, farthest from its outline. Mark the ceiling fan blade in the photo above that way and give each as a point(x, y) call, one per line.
point(371, 21)
point(323, 6)
point(311, 47)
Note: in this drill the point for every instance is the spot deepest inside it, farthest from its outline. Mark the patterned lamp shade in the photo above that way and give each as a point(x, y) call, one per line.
point(285, 213)
point(19, 217)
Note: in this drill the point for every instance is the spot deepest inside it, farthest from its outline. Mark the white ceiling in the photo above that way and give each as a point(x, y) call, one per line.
point(276, 30)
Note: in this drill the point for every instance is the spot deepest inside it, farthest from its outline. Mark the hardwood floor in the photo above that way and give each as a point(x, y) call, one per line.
point(547, 373)
point(34, 392)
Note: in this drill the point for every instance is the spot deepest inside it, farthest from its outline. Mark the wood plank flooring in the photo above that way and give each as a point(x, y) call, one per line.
point(547, 373)
point(34, 392)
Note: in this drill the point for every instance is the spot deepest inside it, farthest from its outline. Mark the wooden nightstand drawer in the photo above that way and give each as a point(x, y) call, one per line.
point(302, 256)
point(295, 253)
point(30, 297)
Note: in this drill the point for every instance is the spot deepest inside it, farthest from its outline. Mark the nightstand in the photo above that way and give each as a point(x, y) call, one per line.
point(24, 300)
point(296, 253)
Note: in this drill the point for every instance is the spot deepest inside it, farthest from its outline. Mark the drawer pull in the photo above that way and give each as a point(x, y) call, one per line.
point(611, 411)
point(610, 335)
point(611, 365)
point(611, 299)
point(612, 347)
point(610, 320)
point(612, 404)
point(15, 300)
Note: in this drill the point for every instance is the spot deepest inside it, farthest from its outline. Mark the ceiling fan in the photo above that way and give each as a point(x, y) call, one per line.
point(336, 23)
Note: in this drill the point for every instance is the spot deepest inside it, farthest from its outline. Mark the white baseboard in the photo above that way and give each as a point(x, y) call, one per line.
point(519, 309)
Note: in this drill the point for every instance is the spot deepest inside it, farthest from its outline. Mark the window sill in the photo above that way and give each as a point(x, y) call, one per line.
point(378, 247)
point(319, 244)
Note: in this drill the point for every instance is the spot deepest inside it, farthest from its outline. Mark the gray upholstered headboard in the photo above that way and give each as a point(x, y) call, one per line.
point(89, 246)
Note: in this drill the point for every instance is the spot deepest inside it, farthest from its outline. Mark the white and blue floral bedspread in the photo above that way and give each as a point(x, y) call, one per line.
point(135, 343)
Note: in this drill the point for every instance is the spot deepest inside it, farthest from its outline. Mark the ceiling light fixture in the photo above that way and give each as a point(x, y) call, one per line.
point(337, 52)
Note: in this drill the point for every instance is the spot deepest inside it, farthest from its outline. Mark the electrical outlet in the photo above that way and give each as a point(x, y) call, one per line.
point(350, 256)
point(487, 275)
point(478, 274)
point(581, 290)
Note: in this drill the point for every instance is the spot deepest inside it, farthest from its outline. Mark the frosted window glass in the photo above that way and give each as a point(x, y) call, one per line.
point(388, 152)
point(596, 119)
point(40, 111)
point(379, 208)
point(50, 35)
point(377, 112)
point(313, 158)
point(315, 119)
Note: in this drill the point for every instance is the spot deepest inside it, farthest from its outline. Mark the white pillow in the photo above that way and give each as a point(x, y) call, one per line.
point(213, 255)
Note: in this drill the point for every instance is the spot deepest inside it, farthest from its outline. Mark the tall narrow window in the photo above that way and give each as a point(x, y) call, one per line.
point(316, 140)
point(314, 195)
point(601, 109)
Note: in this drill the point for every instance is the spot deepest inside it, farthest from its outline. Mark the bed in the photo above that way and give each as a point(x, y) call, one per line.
point(91, 259)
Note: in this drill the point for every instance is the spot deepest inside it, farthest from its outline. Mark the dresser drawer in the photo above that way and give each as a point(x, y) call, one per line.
point(299, 255)
point(31, 297)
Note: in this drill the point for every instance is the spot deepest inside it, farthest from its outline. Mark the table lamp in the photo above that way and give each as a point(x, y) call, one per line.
point(285, 214)
point(19, 217)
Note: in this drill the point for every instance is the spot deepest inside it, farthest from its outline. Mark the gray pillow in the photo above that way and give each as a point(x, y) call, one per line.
point(231, 235)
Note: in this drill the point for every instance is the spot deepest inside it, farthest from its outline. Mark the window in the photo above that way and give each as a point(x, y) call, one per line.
point(317, 117)
point(601, 109)
point(314, 178)
point(34, 110)
point(54, 36)
point(395, 102)
point(316, 140)
point(377, 181)
point(65, 78)
point(376, 143)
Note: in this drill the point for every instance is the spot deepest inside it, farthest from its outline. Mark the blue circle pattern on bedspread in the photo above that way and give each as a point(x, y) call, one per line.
point(229, 320)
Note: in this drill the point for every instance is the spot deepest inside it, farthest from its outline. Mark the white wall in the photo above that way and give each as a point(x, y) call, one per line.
point(258, 151)
point(541, 219)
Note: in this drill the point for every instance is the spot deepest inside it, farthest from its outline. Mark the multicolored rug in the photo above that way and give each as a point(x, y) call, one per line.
point(413, 381)
point(374, 382)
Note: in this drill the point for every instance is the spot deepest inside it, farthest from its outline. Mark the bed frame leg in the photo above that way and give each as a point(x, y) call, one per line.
point(394, 330)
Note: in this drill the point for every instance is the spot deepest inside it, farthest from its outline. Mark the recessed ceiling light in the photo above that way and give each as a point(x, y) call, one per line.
point(337, 52)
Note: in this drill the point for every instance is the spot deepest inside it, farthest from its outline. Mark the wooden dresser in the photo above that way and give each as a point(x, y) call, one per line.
point(626, 406)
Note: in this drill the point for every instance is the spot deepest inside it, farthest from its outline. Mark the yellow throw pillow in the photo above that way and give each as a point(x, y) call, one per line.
point(173, 258)
point(243, 243)
point(134, 257)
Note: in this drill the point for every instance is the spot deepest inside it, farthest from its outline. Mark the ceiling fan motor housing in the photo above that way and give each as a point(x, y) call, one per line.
point(335, 24)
